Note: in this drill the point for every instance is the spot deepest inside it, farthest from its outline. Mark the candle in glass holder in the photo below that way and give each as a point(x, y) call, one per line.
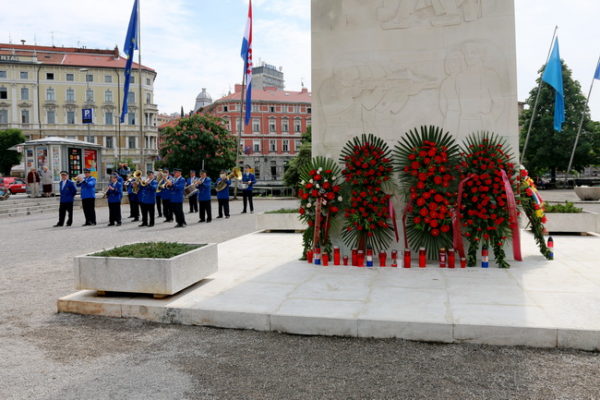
point(442, 257)
point(345, 260)
point(422, 257)
point(336, 255)
point(551, 248)
point(325, 260)
point(369, 258)
point(354, 257)
point(407, 258)
point(463, 262)
point(451, 258)
point(485, 259)
point(394, 258)
point(360, 258)
point(317, 256)
point(309, 256)
point(382, 258)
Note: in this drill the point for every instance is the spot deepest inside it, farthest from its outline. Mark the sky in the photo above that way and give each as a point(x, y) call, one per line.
point(195, 44)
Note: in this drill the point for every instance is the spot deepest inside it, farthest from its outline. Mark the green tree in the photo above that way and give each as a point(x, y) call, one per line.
point(196, 141)
point(548, 150)
point(8, 158)
point(291, 177)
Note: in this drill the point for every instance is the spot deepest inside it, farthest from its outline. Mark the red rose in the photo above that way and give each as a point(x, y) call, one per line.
point(302, 211)
point(312, 172)
point(334, 209)
point(317, 177)
point(424, 211)
point(445, 228)
point(308, 185)
point(435, 232)
point(417, 220)
point(437, 180)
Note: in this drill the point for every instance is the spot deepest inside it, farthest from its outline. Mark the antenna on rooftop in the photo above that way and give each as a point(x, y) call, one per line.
point(23, 42)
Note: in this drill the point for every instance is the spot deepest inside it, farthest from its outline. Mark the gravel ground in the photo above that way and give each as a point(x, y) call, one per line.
point(44, 355)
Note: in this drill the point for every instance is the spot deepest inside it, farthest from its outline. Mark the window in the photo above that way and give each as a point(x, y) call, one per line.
point(3, 116)
point(308, 122)
point(89, 95)
point(49, 76)
point(24, 116)
point(71, 117)
point(24, 93)
point(131, 118)
point(131, 97)
point(309, 110)
point(108, 142)
point(89, 78)
point(297, 126)
point(50, 95)
point(272, 125)
point(24, 75)
point(148, 82)
point(257, 171)
point(107, 78)
point(70, 77)
point(285, 126)
point(225, 109)
point(90, 139)
point(256, 125)
point(255, 108)
point(131, 142)
point(256, 146)
point(272, 146)
point(227, 124)
point(51, 117)
point(132, 79)
point(272, 109)
point(70, 95)
point(3, 93)
point(2, 74)
point(239, 125)
point(285, 146)
point(148, 98)
point(108, 96)
point(108, 118)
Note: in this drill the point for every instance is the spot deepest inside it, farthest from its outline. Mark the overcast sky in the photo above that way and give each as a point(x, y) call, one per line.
point(196, 43)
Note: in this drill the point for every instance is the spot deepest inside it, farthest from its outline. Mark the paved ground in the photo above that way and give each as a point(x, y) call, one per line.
point(44, 355)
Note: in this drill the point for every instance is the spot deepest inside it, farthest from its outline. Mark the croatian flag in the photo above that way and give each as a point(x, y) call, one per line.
point(247, 57)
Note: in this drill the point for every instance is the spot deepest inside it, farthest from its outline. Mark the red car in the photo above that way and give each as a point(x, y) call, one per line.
point(14, 185)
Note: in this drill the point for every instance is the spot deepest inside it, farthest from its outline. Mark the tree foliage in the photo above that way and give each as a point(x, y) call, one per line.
point(548, 150)
point(291, 177)
point(8, 158)
point(196, 141)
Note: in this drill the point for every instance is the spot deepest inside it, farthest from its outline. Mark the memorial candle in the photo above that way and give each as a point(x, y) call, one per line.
point(336, 255)
point(422, 258)
point(407, 258)
point(382, 258)
point(451, 258)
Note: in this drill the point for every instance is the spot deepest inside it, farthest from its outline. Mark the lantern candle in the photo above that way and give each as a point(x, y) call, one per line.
point(485, 261)
point(463, 262)
point(345, 260)
point(361, 258)
point(325, 259)
point(394, 258)
point(451, 258)
point(336, 255)
point(354, 257)
point(309, 256)
point(406, 258)
point(317, 256)
point(422, 258)
point(382, 258)
point(369, 258)
point(551, 248)
point(442, 257)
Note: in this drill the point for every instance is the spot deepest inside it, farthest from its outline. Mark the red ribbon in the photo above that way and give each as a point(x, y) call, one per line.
point(392, 212)
point(512, 211)
point(317, 233)
point(457, 240)
point(408, 208)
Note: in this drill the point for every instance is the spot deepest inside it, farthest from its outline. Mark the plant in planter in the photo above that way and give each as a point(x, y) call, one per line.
point(533, 206)
point(567, 208)
point(320, 201)
point(486, 202)
point(368, 171)
point(427, 160)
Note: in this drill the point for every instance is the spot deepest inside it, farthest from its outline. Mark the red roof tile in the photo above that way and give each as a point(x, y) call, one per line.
point(270, 95)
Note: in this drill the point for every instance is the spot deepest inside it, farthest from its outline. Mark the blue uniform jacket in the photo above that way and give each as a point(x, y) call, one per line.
point(204, 190)
point(166, 193)
point(147, 193)
point(176, 190)
point(223, 194)
point(88, 188)
point(115, 195)
point(249, 178)
point(68, 192)
point(132, 196)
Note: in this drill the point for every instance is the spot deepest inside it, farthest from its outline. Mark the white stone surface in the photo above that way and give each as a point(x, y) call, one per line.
point(279, 222)
point(145, 275)
point(588, 192)
point(387, 66)
point(573, 222)
point(534, 303)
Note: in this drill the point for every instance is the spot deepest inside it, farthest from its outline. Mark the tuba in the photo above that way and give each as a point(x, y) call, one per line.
point(236, 173)
point(137, 179)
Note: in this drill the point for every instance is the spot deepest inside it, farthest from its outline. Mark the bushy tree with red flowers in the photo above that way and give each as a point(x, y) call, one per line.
point(321, 181)
point(427, 160)
point(367, 168)
point(485, 210)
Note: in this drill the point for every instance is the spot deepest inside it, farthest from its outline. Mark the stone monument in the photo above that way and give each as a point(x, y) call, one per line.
point(387, 66)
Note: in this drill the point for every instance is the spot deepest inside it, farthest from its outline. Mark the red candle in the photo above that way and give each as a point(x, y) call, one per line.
point(394, 258)
point(442, 258)
point(382, 258)
point(325, 259)
point(309, 256)
point(463, 262)
point(354, 257)
point(407, 258)
point(422, 258)
point(361, 258)
point(451, 258)
point(336, 255)
point(345, 260)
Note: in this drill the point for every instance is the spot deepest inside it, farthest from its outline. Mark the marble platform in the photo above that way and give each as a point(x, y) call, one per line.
point(261, 285)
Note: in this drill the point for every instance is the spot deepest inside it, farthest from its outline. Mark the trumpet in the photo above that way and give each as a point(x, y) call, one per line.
point(79, 178)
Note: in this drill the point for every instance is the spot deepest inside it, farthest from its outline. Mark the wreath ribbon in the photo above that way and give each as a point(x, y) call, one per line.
point(408, 208)
point(392, 212)
point(457, 240)
point(512, 211)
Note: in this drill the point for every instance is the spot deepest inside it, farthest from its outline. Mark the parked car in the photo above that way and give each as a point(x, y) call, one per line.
point(14, 185)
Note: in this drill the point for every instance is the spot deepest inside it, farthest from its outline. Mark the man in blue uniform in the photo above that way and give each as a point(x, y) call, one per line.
point(176, 190)
point(203, 185)
point(147, 199)
point(223, 194)
point(114, 195)
point(134, 204)
point(248, 181)
point(159, 199)
point(166, 198)
point(193, 198)
point(88, 197)
point(67, 194)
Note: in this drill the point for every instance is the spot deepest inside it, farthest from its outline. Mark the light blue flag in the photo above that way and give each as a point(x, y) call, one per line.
point(597, 74)
point(553, 76)
point(131, 44)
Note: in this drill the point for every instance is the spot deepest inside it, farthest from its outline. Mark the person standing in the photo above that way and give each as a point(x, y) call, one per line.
point(134, 205)
point(147, 199)
point(177, 188)
point(192, 199)
point(203, 185)
point(33, 183)
point(158, 199)
point(46, 178)
point(248, 181)
point(88, 197)
point(166, 197)
point(123, 171)
point(114, 195)
point(67, 195)
point(223, 194)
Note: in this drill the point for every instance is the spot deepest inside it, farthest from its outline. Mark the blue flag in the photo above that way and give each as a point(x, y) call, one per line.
point(553, 76)
point(131, 44)
point(597, 74)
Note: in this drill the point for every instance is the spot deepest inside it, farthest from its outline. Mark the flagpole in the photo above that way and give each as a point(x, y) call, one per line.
point(139, 43)
point(537, 99)
point(582, 117)
point(242, 126)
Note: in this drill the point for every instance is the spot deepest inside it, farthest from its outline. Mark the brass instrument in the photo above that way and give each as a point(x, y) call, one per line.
point(79, 178)
point(236, 173)
point(160, 178)
point(137, 178)
point(191, 189)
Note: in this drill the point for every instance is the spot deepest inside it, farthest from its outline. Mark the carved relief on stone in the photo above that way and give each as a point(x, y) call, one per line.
point(401, 14)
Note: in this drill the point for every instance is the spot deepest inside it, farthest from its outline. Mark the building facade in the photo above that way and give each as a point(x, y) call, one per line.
point(267, 75)
point(275, 130)
point(44, 90)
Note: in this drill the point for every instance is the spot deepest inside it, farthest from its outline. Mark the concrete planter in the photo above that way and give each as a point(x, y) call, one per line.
point(572, 222)
point(157, 276)
point(279, 222)
point(588, 193)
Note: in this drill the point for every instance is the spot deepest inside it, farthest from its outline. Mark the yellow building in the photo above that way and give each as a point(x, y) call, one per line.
point(43, 91)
